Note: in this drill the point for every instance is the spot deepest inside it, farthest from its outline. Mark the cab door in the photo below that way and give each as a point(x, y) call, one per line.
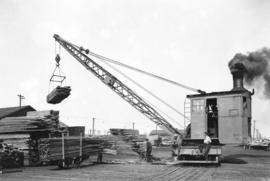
point(198, 118)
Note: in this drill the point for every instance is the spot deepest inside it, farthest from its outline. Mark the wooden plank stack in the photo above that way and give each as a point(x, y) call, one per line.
point(23, 133)
point(124, 132)
point(58, 94)
point(27, 124)
point(19, 141)
point(50, 149)
point(10, 157)
point(129, 141)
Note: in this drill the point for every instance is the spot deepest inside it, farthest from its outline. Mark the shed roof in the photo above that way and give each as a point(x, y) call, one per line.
point(220, 93)
point(10, 111)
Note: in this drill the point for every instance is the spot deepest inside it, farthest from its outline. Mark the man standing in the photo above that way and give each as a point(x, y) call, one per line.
point(2, 153)
point(148, 150)
point(207, 144)
point(99, 157)
point(176, 145)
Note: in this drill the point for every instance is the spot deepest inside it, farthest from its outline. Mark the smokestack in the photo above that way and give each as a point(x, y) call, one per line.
point(238, 80)
point(238, 71)
point(256, 70)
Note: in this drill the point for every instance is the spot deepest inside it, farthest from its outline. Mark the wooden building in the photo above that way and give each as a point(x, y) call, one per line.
point(15, 111)
point(224, 115)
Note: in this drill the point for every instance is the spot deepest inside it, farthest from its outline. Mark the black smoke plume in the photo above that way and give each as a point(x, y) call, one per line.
point(255, 67)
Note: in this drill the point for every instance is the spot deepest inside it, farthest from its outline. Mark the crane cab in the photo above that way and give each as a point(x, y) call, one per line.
point(226, 116)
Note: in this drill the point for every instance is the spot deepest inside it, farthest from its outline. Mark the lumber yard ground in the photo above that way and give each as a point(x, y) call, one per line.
point(238, 164)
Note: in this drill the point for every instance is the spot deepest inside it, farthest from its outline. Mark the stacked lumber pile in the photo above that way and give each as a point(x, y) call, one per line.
point(27, 124)
point(58, 94)
point(50, 149)
point(18, 142)
point(23, 133)
point(34, 158)
point(10, 157)
point(25, 143)
point(117, 145)
point(47, 113)
point(129, 141)
point(124, 132)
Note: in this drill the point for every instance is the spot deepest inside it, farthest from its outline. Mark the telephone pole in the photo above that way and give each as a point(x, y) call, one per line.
point(93, 126)
point(133, 125)
point(21, 97)
point(254, 130)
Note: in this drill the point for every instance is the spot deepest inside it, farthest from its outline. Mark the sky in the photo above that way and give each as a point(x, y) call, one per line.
point(188, 41)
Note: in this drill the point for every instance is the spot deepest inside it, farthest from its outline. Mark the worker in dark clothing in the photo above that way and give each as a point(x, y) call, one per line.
point(99, 157)
point(1, 155)
point(148, 151)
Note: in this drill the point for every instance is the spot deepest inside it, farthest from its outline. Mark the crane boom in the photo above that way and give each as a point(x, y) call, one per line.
point(116, 85)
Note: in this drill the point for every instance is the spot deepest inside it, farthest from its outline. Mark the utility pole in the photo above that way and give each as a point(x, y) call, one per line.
point(21, 97)
point(254, 129)
point(133, 125)
point(93, 126)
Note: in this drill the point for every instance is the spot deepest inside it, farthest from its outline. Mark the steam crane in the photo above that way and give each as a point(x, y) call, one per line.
point(79, 53)
point(116, 85)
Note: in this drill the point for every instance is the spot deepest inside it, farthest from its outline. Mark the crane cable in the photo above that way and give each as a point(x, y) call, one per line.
point(87, 51)
point(144, 72)
point(146, 90)
point(57, 72)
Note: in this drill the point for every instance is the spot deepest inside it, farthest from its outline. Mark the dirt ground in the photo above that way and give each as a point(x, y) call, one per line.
point(237, 164)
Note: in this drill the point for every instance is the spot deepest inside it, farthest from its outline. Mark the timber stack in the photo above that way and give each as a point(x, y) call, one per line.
point(31, 123)
point(52, 149)
point(129, 139)
point(23, 133)
point(10, 157)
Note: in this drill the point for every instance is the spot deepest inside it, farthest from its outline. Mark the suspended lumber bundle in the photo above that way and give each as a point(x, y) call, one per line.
point(51, 149)
point(58, 94)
